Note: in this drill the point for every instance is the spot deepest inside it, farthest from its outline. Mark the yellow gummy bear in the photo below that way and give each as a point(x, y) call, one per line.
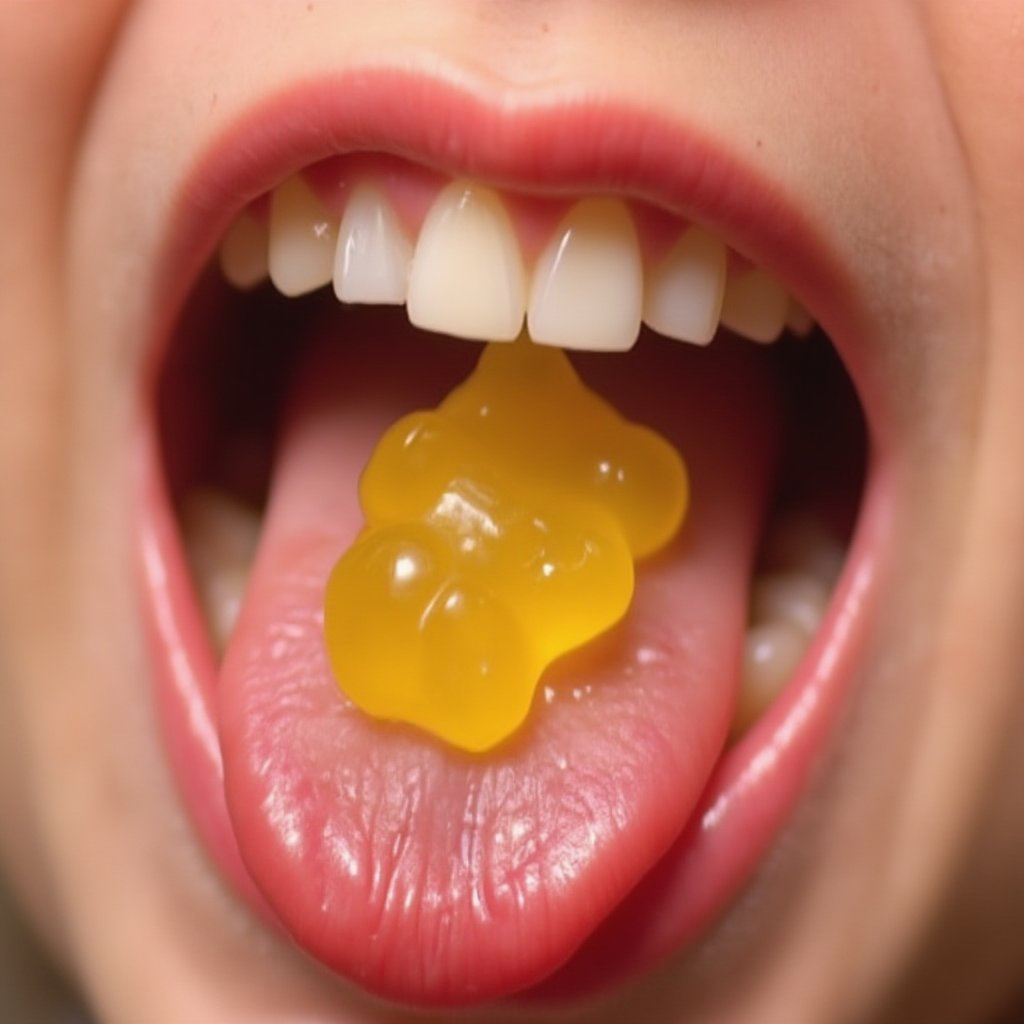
point(501, 531)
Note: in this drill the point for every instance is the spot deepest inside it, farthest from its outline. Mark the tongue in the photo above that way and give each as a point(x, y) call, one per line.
point(437, 878)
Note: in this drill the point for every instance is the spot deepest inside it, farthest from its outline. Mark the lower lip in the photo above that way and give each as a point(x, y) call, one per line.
point(753, 790)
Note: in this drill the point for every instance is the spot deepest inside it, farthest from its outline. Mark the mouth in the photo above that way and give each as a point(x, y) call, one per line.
point(315, 292)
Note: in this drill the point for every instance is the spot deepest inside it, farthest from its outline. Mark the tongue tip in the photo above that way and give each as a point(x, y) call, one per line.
point(432, 880)
point(429, 951)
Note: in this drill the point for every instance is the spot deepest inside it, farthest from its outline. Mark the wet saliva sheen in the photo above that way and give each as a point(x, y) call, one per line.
point(501, 533)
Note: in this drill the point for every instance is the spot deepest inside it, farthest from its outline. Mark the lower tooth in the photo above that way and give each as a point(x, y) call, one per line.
point(771, 654)
point(220, 536)
point(797, 598)
point(801, 542)
point(801, 562)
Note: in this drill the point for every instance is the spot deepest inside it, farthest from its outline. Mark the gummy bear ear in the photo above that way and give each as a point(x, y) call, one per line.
point(415, 463)
point(642, 480)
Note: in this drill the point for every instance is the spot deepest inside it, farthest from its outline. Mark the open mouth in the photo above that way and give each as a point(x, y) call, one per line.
point(658, 763)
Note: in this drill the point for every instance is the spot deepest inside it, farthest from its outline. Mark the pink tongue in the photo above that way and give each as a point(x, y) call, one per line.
point(433, 877)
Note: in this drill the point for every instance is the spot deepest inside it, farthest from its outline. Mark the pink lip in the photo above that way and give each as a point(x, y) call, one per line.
point(578, 147)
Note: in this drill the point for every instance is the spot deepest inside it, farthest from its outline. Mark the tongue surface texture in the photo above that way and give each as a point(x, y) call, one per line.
point(438, 878)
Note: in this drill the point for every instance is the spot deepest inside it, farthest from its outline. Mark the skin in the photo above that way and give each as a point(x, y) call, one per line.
point(897, 892)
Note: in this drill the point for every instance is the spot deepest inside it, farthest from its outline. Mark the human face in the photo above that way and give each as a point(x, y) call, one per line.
point(855, 855)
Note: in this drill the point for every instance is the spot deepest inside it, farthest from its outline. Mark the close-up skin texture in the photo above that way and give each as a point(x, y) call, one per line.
point(200, 823)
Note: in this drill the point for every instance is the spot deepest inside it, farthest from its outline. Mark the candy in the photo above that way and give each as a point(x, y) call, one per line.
point(501, 533)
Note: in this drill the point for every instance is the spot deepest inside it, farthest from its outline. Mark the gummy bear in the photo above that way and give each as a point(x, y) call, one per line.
point(501, 533)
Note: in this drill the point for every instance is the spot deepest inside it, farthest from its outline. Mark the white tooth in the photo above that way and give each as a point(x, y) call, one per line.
point(798, 320)
point(801, 542)
point(755, 305)
point(220, 535)
point(467, 275)
point(371, 262)
point(771, 653)
point(684, 293)
point(794, 597)
point(243, 253)
point(588, 283)
point(302, 239)
point(221, 592)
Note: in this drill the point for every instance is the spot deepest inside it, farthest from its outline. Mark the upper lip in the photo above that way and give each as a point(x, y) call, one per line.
point(581, 145)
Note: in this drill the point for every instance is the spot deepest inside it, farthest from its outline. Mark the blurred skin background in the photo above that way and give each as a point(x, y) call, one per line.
point(897, 121)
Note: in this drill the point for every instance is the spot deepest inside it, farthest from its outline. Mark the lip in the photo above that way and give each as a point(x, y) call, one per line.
point(577, 144)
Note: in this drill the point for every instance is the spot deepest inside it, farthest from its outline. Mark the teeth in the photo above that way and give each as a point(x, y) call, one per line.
point(794, 597)
point(684, 293)
point(588, 284)
point(467, 276)
point(755, 305)
point(802, 541)
point(788, 603)
point(243, 253)
point(220, 535)
point(372, 258)
point(771, 653)
point(302, 239)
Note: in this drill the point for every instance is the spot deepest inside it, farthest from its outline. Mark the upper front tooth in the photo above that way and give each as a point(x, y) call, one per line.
point(467, 275)
point(372, 258)
point(243, 253)
point(302, 239)
point(755, 305)
point(588, 283)
point(684, 293)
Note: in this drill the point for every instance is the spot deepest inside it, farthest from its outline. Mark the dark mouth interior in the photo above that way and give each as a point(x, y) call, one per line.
point(229, 365)
point(825, 442)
